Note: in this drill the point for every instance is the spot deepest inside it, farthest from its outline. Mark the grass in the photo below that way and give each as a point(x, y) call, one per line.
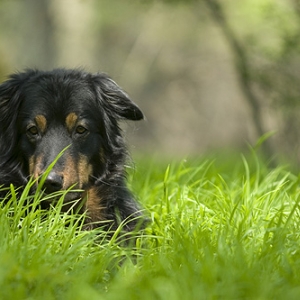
point(218, 231)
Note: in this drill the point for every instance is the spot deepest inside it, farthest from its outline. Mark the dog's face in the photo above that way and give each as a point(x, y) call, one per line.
point(73, 115)
point(69, 119)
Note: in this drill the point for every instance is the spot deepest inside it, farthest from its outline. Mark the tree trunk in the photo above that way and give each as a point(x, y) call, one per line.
point(242, 67)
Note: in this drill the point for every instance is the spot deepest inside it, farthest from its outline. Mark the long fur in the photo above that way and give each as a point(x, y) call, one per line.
point(101, 96)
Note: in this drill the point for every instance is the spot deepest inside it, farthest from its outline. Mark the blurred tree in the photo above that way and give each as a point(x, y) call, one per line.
point(170, 54)
point(267, 61)
point(28, 28)
point(269, 51)
point(43, 30)
point(244, 71)
point(276, 68)
point(47, 40)
point(242, 64)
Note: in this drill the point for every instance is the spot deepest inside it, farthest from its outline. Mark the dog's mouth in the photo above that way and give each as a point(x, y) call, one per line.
point(54, 187)
point(69, 199)
point(68, 195)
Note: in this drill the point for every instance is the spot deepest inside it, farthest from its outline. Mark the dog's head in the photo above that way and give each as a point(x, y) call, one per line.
point(67, 112)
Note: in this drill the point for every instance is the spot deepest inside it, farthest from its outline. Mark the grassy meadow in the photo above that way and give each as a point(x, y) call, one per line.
point(218, 230)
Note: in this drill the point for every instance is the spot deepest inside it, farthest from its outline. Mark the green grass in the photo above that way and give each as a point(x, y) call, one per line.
point(219, 231)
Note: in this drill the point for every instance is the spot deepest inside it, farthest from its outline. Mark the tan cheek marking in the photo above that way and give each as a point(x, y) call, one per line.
point(85, 170)
point(71, 120)
point(41, 122)
point(35, 166)
point(31, 165)
point(102, 156)
point(95, 211)
point(69, 173)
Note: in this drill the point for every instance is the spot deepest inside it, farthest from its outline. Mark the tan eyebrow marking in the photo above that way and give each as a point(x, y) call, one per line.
point(71, 120)
point(41, 122)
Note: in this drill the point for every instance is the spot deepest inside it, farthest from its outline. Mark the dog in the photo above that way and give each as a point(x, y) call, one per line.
point(75, 114)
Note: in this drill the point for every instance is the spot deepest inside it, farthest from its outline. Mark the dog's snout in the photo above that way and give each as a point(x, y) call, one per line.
point(53, 182)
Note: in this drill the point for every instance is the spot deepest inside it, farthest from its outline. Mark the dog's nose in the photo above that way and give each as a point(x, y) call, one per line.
point(53, 182)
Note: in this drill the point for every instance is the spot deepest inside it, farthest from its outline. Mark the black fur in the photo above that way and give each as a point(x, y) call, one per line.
point(28, 146)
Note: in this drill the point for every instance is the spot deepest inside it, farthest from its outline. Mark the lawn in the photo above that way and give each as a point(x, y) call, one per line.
point(218, 230)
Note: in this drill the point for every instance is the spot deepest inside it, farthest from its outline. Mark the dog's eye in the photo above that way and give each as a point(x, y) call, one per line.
point(32, 130)
point(80, 129)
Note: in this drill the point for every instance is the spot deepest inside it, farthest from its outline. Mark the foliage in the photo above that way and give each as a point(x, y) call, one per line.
point(272, 38)
point(264, 40)
point(219, 229)
point(176, 63)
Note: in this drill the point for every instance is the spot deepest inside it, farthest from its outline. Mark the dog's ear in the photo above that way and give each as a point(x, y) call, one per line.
point(10, 99)
point(115, 100)
point(10, 92)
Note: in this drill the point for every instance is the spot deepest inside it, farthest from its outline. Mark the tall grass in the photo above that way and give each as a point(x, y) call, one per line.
point(216, 233)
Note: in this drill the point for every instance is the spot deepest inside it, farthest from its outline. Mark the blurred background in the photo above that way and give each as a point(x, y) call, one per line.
point(210, 75)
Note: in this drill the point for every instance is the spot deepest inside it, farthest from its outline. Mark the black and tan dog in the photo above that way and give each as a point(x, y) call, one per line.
point(42, 113)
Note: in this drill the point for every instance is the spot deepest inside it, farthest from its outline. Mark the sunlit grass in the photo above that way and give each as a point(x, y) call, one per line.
point(216, 233)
